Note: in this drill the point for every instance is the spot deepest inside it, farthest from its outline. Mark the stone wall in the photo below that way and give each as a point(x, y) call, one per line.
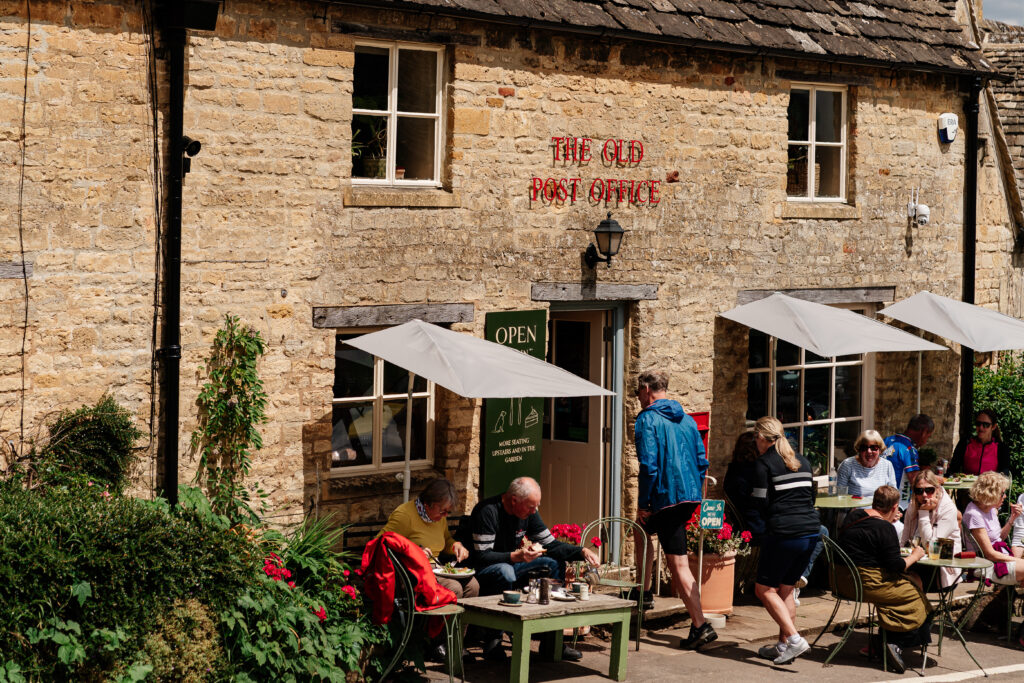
point(268, 233)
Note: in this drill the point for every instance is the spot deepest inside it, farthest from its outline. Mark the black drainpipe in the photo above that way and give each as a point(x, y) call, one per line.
point(178, 16)
point(170, 354)
point(970, 249)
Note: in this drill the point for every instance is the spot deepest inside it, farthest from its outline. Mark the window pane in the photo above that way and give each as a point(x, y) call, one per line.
point(417, 81)
point(396, 380)
point(352, 434)
point(786, 353)
point(811, 357)
point(393, 437)
point(757, 395)
point(846, 434)
point(816, 440)
point(370, 78)
point(848, 393)
point(827, 171)
point(799, 115)
point(787, 396)
point(353, 370)
point(817, 384)
point(369, 146)
point(796, 171)
point(828, 116)
point(414, 150)
point(793, 437)
point(571, 349)
point(758, 350)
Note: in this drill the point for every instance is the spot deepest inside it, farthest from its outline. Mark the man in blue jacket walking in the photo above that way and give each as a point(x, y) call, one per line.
point(672, 468)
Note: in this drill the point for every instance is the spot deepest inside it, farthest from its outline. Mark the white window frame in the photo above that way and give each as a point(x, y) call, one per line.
point(867, 363)
point(812, 144)
point(378, 397)
point(392, 113)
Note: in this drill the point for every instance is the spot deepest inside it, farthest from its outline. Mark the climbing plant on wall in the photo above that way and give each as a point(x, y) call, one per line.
point(232, 404)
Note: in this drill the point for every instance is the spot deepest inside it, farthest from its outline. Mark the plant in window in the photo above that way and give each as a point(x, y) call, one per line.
point(370, 144)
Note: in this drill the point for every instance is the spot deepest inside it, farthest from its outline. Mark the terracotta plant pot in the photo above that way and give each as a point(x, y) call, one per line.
point(717, 581)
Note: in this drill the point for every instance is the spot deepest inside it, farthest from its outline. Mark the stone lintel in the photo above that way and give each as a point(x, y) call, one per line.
point(576, 291)
point(823, 75)
point(828, 211)
point(395, 314)
point(13, 270)
point(842, 295)
point(425, 198)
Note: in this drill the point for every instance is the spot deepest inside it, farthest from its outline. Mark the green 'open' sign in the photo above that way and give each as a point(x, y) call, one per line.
point(712, 514)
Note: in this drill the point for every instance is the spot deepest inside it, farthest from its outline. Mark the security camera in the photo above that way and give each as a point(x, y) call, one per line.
point(923, 214)
point(190, 146)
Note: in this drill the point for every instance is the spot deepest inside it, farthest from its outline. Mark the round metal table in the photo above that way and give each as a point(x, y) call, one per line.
point(844, 502)
point(962, 485)
point(943, 609)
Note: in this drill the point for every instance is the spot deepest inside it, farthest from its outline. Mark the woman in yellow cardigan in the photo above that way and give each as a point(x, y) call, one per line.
point(423, 521)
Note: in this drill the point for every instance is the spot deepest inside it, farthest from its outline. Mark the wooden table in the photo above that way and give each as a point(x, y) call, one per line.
point(525, 620)
point(944, 607)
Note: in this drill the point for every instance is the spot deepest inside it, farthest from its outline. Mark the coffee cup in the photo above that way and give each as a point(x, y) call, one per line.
point(511, 597)
point(577, 587)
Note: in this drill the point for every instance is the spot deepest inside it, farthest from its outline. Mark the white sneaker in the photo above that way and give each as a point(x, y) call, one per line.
point(793, 650)
point(801, 582)
point(771, 651)
point(796, 597)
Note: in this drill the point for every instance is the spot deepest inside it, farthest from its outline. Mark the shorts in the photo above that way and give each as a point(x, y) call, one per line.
point(783, 560)
point(1008, 579)
point(669, 525)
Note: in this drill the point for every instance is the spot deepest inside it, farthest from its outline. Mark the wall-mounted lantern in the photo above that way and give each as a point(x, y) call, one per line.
point(608, 235)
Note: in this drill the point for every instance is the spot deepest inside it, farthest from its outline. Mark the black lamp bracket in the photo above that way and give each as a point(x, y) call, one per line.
point(592, 257)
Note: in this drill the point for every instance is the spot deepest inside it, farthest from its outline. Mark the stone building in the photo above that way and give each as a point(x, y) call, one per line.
point(364, 163)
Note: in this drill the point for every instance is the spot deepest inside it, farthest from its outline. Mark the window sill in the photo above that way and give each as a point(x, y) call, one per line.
point(341, 482)
point(825, 210)
point(428, 198)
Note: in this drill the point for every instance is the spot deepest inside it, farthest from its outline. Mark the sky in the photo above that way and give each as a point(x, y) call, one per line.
point(1010, 11)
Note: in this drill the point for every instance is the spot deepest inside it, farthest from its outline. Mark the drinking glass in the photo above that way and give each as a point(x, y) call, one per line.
point(933, 550)
point(843, 490)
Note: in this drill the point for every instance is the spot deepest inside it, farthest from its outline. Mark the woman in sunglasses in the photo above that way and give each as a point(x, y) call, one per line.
point(984, 452)
point(932, 514)
point(865, 473)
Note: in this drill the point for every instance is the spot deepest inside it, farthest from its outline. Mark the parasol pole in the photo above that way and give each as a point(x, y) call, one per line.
point(918, 383)
point(408, 439)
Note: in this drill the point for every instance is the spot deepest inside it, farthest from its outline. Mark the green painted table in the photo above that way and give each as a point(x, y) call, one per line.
point(944, 608)
point(525, 620)
point(843, 502)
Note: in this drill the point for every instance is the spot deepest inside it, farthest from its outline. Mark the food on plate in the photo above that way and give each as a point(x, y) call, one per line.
point(452, 569)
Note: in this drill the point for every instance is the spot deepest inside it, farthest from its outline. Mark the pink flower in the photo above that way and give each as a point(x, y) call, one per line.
point(291, 584)
point(349, 591)
point(746, 536)
point(322, 613)
point(345, 572)
point(596, 542)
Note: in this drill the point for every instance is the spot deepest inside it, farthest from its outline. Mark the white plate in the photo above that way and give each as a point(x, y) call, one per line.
point(438, 571)
point(562, 597)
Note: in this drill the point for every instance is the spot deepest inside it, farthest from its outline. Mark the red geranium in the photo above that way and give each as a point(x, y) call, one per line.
point(716, 541)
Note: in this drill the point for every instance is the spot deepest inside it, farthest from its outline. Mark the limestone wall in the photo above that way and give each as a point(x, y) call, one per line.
point(268, 235)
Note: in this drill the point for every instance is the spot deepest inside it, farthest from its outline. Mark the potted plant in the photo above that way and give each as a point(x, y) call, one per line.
point(717, 576)
point(369, 144)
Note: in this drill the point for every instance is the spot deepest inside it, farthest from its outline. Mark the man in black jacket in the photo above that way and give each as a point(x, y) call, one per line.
point(502, 560)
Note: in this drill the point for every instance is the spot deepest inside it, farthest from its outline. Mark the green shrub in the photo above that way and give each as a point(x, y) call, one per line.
point(81, 565)
point(1002, 390)
point(185, 645)
point(93, 443)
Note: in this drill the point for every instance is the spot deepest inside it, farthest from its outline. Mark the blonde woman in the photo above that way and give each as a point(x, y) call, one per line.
point(865, 473)
point(981, 519)
point(932, 514)
point(783, 515)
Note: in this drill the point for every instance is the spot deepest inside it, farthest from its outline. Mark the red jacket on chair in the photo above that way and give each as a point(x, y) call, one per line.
point(379, 578)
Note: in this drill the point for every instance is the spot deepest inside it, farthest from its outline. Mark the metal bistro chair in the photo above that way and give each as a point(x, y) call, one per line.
point(605, 524)
point(405, 614)
point(839, 562)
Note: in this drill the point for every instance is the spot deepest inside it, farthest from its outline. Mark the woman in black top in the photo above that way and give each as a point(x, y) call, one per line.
point(869, 538)
point(783, 515)
point(739, 477)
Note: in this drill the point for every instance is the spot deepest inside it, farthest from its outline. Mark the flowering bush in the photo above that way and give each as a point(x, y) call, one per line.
point(716, 541)
point(569, 533)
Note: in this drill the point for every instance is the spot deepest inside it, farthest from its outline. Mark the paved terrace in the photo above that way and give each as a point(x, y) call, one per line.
point(732, 656)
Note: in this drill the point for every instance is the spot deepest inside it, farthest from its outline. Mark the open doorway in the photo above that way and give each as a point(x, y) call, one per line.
point(576, 474)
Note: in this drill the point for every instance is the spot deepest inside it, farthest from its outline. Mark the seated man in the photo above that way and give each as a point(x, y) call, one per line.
point(869, 538)
point(497, 527)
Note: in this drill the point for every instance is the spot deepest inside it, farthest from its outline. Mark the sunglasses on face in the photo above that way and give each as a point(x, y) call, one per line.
point(930, 490)
point(869, 448)
point(981, 424)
